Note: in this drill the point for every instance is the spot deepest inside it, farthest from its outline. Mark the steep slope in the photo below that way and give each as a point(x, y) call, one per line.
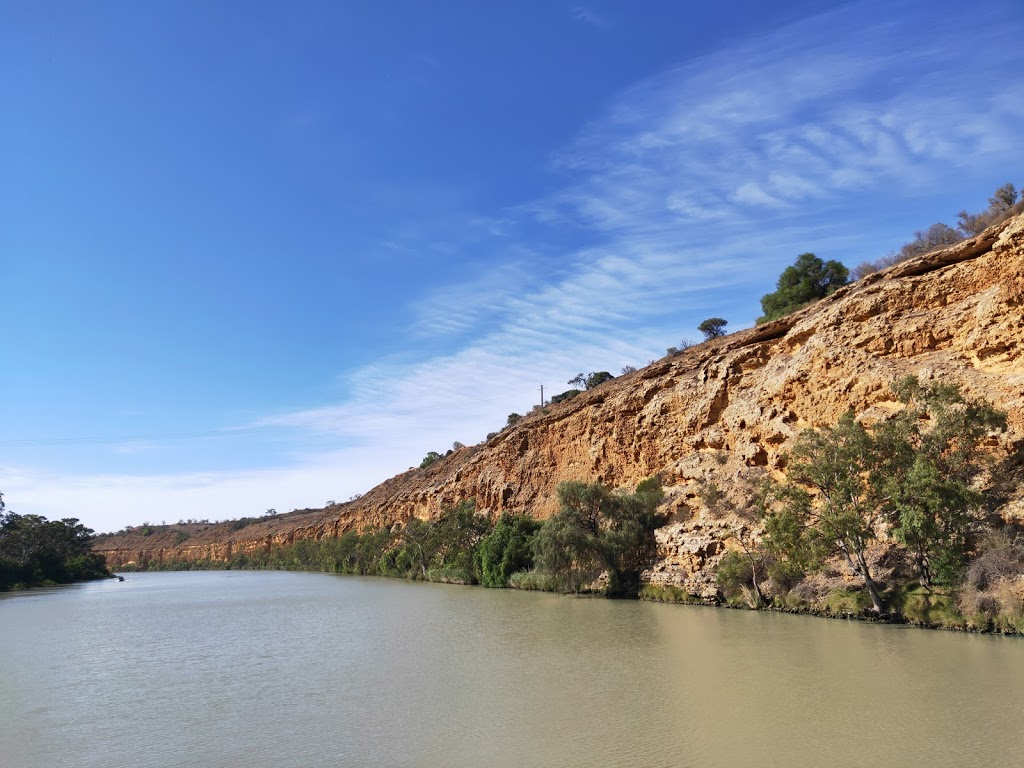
point(724, 411)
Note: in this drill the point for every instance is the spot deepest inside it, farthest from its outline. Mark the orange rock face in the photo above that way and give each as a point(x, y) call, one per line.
point(724, 411)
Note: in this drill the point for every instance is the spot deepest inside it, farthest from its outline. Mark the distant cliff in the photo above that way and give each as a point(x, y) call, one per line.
point(722, 412)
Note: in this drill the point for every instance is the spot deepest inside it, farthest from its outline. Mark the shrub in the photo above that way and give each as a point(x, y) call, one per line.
point(846, 602)
point(1002, 204)
point(992, 595)
point(506, 549)
point(807, 280)
point(735, 576)
point(569, 394)
point(429, 459)
point(928, 607)
point(668, 593)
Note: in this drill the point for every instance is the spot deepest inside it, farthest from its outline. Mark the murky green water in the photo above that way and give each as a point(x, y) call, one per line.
point(307, 670)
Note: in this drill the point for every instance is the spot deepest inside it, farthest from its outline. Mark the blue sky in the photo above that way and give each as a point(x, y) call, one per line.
point(261, 255)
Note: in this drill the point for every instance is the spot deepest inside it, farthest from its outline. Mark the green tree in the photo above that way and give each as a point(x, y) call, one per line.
point(807, 280)
point(930, 455)
point(447, 543)
point(914, 472)
point(429, 459)
point(417, 548)
point(513, 418)
point(506, 549)
point(628, 542)
point(600, 530)
point(713, 327)
point(34, 550)
point(590, 380)
point(830, 504)
point(455, 535)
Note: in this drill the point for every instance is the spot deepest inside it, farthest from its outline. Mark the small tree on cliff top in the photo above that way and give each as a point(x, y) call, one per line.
point(590, 380)
point(807, 280)
point(713, 327)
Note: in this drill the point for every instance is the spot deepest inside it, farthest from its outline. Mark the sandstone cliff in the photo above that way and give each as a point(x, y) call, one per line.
point(722, 412)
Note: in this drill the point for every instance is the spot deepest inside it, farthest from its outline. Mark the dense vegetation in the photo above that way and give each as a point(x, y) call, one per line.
point(598, 531)
point(35, 551)
point(912, 478)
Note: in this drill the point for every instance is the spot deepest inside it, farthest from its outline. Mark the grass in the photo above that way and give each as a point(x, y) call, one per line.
point(449, 575)
point(531, 580)
point(668, 593)
point(845, 602)
point(935, 607)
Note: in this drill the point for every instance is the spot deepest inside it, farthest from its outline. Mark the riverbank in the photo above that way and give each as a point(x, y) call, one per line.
point(36, 552)
point(912, 605)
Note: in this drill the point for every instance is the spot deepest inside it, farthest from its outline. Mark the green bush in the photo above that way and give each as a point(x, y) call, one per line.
point(807, 280)
point(506, 549)
point(735, 573)
point(429, 459)
point(569, 394)
point(598, 530)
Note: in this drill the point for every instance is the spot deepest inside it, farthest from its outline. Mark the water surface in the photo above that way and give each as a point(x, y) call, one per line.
point(224, 669)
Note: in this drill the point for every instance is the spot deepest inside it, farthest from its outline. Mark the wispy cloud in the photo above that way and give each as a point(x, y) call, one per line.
point(674, 179)
point(797, 116)
point(588, 16)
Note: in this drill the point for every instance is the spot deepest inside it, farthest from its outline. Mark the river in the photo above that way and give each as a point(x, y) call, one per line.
point(227, 668)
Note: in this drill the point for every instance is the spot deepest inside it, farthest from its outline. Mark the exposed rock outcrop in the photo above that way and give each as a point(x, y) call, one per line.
point(719, 412)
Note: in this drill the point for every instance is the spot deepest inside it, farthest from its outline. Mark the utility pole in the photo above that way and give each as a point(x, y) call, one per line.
point(541, 395)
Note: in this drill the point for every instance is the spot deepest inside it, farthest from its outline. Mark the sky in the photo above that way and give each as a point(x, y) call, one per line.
point(266, 255)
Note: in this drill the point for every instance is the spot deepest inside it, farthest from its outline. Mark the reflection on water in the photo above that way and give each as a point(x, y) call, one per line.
point(284, 669)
